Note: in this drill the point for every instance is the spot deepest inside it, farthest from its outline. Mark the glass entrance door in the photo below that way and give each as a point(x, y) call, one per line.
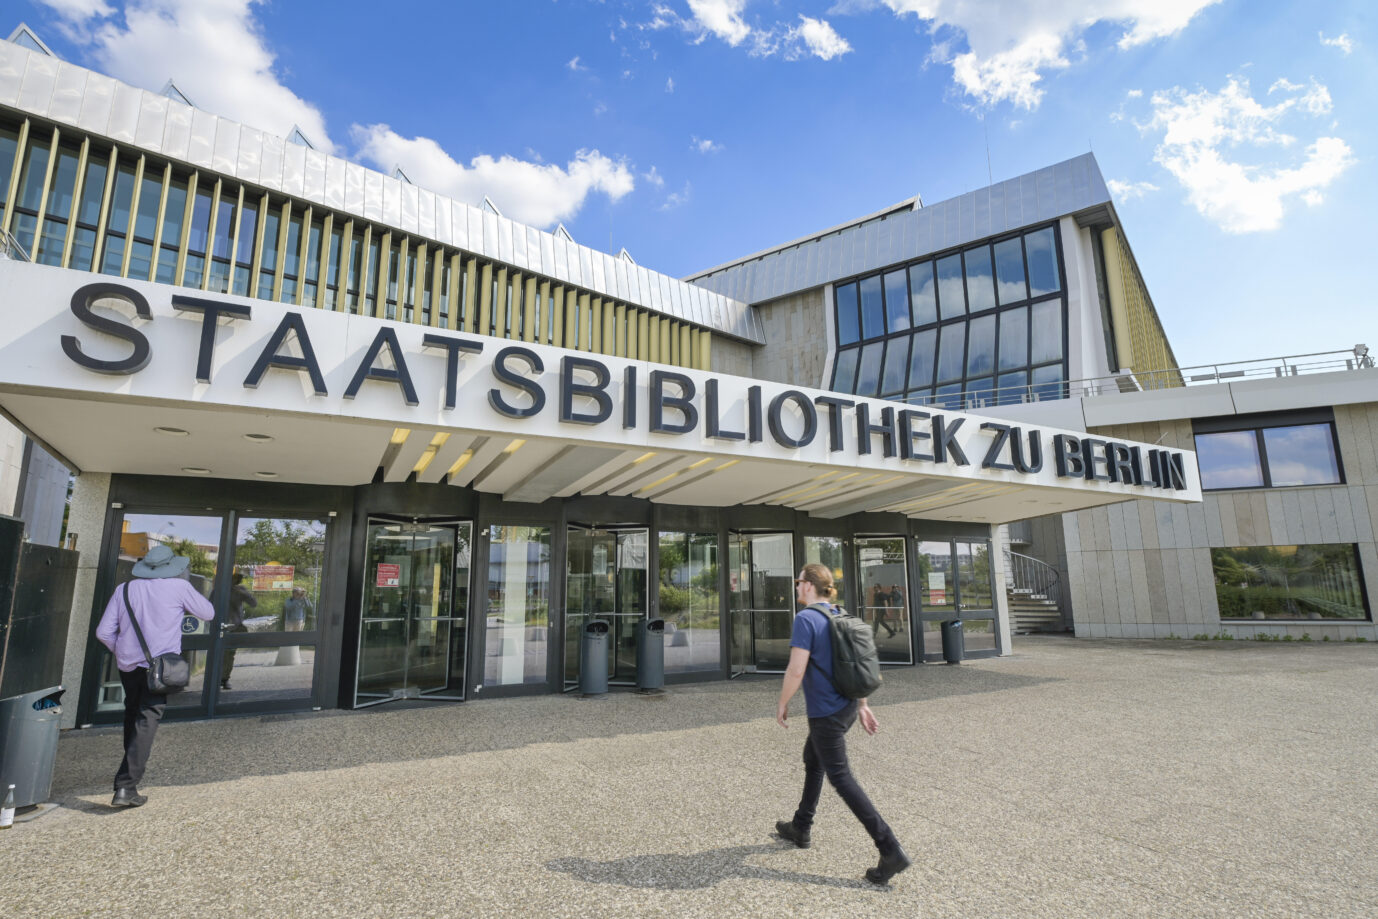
point(883, 595)
point(762, 601)
point(416, 600)
point(606, 579)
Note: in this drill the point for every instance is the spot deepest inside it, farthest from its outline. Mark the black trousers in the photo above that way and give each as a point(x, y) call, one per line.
point(142, 712)
point(825, 754)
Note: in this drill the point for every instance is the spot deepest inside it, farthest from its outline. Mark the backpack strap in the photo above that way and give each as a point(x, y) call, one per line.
point(827, 610)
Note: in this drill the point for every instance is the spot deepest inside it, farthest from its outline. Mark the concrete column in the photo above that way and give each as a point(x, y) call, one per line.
point(999, 569)
point(86, 520)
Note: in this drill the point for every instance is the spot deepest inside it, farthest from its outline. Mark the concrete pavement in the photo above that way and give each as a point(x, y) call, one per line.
point(1073, 779)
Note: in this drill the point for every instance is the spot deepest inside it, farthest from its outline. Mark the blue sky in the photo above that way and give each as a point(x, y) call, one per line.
point(1238, 137)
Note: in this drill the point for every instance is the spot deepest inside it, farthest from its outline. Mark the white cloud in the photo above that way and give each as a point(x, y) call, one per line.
point(1205, 136)
point(676, 198)
point(818, 37)
point(212, 49)
point(703, 145)
point(575, 65)
point(1128, 191)
point(654, 177)
point(1341, 41)
point(722, 18)
point(1011, 44)
point(537, 194)
point(669, 84)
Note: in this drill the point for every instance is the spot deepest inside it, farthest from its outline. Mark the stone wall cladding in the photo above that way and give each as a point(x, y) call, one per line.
point(796, 348)
point(1142, 569)
point(729, 356)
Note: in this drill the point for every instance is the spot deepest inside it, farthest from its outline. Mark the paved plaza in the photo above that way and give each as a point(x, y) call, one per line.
point(1097, 779)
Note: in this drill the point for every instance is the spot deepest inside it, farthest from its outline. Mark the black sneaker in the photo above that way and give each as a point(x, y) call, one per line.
point(128, 797)
point(889, 866)
point(787, 831)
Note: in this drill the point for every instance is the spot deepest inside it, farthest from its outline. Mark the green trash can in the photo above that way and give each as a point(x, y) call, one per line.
point(954, 641)
point(650, 654)
point(28, 743)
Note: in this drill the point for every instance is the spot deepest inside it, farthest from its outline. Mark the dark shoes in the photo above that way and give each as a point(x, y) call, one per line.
point(224, 684)
point(128, 797)
point(889, 866)
point(787, 831)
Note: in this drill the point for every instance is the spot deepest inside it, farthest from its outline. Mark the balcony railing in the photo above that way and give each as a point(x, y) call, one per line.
point(1128, 381)
point(11, 249)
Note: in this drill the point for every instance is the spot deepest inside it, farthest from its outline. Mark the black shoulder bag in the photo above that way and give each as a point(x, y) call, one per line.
point(167, 673)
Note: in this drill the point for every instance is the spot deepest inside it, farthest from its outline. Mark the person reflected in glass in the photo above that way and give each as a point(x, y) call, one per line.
point(894, 610)
point(240, 596)
point(831, 715)
point(159, 595)
point(296, 609)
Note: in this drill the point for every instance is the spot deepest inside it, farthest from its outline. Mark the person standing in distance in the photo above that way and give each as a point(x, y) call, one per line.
point(160, 595)
point(831, 715)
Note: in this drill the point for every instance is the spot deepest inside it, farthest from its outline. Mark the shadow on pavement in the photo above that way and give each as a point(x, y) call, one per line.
point(696, 871)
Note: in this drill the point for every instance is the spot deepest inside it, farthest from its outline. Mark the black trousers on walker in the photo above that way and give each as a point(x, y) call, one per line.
point(142, 712)
point(825, 754)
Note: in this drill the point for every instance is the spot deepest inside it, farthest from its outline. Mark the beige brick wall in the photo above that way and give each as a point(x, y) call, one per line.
point(1142, 569)
point(796, 348)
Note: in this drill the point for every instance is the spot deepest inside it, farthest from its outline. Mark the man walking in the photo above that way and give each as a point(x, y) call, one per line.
point(831, 715)
point(159, 595)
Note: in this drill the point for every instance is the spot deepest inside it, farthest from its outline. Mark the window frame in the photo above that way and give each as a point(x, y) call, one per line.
point(1257, 424)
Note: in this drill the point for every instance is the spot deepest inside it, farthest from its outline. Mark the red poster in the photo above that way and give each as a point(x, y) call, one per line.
point(273, 577)
point(937, 597)
point(389, 575)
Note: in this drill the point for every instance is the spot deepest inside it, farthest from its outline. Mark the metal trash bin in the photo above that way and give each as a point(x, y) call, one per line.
point(954, 642)
point(28, 743)
point(593, 658)
point(650, 654)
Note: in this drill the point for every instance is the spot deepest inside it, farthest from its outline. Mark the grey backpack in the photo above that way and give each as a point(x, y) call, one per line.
point(856, 662)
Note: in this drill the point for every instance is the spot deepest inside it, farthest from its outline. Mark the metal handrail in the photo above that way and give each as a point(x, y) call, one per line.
point(1128, 381)
point(1036, 578)
point(10, 248)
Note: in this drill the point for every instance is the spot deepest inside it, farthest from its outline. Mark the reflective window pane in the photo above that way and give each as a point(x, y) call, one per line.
point(64, 183)
point(1301, 455)
point(1047, 383)
point(980, 392)
point(1289, 582)
point(974, 575)
point(1229, 460)
point(688, 592)
point(31, 177)
point(121, 197)
point(278, 564)
point(828, 551)
point(980, 282)
point(951, 351)
point(951, 300)
point(896, 301)
point(1047, 332)
point(949, 397)
point(150, 197)
point(981, 346)
point(1014, 338)
point(923, 294)
point(518, 611)
point(1043, 273)
point(92, 190)
point(921, 359)
point(872, 311)
point(844, 370)
point(868, 374)
point(848, 330)
point(896, 366)
point(1012, 388)
point(884, 595)
point(174, 210)
point(937, 578)
point(1009, 271)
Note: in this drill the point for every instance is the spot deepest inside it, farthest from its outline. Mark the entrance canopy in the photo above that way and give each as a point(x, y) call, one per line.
point(129, 377)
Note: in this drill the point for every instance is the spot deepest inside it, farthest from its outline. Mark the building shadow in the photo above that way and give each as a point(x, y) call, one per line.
point(695, 871)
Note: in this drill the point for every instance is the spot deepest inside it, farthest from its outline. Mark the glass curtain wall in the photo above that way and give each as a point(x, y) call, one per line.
point(981, 326)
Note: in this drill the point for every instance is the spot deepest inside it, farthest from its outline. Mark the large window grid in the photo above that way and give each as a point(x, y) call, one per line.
point(982, 325)
point(139, 217)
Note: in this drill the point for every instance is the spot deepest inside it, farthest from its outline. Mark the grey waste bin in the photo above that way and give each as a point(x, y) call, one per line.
point(593, 658)
point(650, 654)
point(954, 644)
point(28, 743)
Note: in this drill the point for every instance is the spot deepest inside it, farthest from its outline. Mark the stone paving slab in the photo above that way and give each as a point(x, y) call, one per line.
point(1154, 779)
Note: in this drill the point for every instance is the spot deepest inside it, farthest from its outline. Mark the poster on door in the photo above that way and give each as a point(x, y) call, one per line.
point(937, 588)
point(389, 575)
point(273, 577)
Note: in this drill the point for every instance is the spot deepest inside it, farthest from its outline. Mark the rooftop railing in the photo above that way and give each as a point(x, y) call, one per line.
point(1128, 381)
point(10, 248)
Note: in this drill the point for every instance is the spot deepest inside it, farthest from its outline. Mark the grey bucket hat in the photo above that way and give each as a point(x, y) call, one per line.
point(161, 562)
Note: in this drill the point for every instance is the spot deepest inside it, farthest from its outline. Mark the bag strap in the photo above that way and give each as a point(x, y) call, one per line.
point(137, 631)
point(826, 610)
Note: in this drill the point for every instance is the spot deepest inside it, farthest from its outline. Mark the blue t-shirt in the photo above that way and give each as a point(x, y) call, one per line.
point(813, 633)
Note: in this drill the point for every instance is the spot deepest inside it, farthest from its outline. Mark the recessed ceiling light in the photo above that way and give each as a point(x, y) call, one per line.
point(258, 438)
point(171, 432)
point(266, 475)
point(196, 470)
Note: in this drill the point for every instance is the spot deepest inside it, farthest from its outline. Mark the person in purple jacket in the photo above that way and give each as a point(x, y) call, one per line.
point(831, 715)
point(160, 595)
